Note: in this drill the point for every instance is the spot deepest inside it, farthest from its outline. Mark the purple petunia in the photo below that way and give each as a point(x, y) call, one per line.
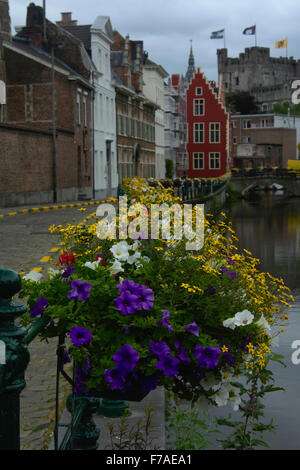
point(127, 303)
point(126, 359)
point(192, 328)
point(168, 365)
point(165, 320)
point(144, 297)
point(160, 349)
point(231, 274)
point(207, 357)
point(80, 290)
point(115, 378)
point(68, 272)
point(39, 307)
point(210, 290)
point(80, 335)
point(81, 376)
point(181, 352)
point(63, 354)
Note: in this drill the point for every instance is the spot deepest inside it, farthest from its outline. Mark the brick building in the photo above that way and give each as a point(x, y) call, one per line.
point(46, 150)
point(264, 140)
point(208, 130)
point(135, 113)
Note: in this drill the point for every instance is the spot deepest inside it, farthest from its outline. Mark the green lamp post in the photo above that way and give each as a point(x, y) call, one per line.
point(13, 360)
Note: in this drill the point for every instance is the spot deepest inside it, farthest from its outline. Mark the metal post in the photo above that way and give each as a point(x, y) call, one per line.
point(12, 368)
point(53, 125)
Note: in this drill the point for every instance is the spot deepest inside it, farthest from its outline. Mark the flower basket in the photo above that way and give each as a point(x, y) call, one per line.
point(147, 313)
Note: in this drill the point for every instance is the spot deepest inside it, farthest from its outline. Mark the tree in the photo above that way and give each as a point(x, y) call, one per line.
point(241, 102)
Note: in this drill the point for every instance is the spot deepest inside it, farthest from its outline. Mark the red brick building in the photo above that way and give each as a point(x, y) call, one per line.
point(45, 126)
point(208, 130)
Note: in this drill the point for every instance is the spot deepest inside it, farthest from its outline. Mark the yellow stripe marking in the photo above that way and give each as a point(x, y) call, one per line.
point(12, 214)
point(35, 209)
point(25, 211)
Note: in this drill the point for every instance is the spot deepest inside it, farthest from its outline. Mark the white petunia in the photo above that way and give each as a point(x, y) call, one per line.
point(133, 258)
point(120, 251)
point(53, 272)
point(222, 395)
point(116, 267)
point(93, 265)
point(229, 323)
point(243, 318)
point(235, 402)
point(33, 276)
point(210, 382)
point(263, 323)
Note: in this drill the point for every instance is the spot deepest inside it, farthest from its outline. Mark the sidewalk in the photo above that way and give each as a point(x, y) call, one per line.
point(155, 400)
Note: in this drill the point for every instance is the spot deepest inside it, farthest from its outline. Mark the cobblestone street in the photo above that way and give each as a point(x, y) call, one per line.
point(24, 241)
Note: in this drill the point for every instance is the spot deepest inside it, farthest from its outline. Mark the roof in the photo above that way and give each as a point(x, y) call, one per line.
point(25, 47)
point(82, 32)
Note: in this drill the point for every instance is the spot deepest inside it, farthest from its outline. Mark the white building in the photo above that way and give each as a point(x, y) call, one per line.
point(173, 131)
point(153, 89)
point(105, 153)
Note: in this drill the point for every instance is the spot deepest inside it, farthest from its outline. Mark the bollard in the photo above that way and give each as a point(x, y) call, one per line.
point(12, 369)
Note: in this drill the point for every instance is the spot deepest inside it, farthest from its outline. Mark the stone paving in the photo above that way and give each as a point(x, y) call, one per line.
point(24, 240)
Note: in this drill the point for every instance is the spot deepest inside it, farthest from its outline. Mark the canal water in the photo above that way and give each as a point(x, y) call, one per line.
point(268, 225)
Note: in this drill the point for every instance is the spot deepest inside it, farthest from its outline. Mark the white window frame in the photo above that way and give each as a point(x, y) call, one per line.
point(200, 158)
point(215, 155)
point(198, 106)
point(212, 129)
point(199, 132)
point(199, 93)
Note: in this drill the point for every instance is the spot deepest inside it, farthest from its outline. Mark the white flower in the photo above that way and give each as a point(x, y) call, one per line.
point(53, 272)
point(263, 323)
point(116, 267)
point(133, 258)
point(120, 251)
point(275, 341)
point(210, 382)
point(235, 402)
point(93, 265)
point(33, 276)
point(229, 323)
point(222, 395)
point(243, 318)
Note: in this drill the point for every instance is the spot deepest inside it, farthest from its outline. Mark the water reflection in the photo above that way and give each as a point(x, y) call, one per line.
point(269, 226)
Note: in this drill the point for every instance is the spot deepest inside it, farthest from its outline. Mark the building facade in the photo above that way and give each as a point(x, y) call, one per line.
point(45, 131)
point(135, 113)
point(97, 39)
point(153, 89)
point(208, 130)
point(265, 140)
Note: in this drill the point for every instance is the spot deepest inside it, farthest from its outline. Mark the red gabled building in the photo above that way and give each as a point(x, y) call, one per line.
point(208, 130)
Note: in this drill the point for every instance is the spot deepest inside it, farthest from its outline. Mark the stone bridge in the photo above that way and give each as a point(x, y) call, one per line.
point(243, 184)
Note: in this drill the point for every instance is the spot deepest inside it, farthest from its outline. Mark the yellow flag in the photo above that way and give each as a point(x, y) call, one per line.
point(281, 44)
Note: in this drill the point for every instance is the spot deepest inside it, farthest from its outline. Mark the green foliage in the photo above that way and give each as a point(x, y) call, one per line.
point(285, 108)
point(132, 437)
point(169, 168)
point(241, 102)
point(249, 431)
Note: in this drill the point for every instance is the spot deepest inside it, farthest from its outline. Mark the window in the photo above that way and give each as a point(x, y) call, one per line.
point(234, 124)
point(199, 91)
point(198, 132)
point(214, 161)
point(246, 124)
point(198, 160)
point(84, 111)
point(237, 81)
point(78, 107)
point(246, 140)
point(234, 140)
point(214, 132)
point(199, 107)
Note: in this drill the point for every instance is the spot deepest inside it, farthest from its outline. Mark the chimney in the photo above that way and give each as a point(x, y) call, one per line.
point(66, 19)
point(5, 31)
point(5, 35)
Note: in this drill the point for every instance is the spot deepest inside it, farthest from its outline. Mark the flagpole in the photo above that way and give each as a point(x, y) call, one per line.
point(224, 39)
point(255, 37)
point(286, 50)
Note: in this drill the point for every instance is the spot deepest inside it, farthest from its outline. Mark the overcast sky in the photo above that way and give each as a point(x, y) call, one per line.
point(167, 26)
